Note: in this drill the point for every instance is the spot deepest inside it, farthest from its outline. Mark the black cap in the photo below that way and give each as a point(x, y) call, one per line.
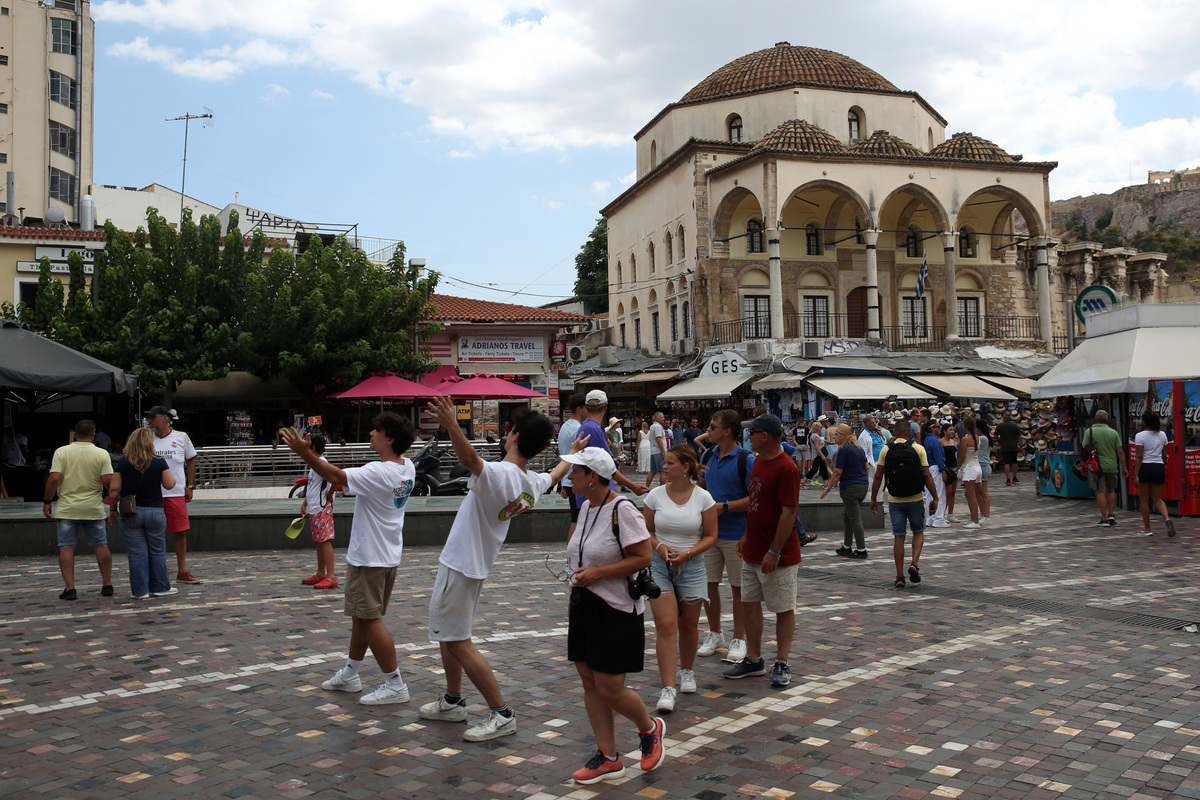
point(766, 422)
point(154, 411)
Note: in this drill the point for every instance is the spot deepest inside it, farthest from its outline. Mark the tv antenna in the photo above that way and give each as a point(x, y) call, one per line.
point(187, 120)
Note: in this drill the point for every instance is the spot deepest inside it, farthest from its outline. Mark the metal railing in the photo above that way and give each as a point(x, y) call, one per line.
point(854, 326)
point(263, 465)
point(1005, 326)
point(920, 339)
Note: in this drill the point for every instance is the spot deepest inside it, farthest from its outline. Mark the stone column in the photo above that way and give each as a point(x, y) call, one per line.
point(948, 241)
point(871, 237)
point(776, 277)
point(1043, 292)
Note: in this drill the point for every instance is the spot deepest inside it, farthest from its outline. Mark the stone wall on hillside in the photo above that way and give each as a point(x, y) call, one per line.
point(1135, 208)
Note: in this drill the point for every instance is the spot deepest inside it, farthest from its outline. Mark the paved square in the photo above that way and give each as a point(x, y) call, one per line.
point(1040, 657)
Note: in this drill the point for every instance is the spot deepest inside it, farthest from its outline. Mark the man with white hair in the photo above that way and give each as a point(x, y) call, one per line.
point(871, 440)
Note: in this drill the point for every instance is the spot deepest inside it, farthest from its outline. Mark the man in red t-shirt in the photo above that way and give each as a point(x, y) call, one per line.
point(770, 550)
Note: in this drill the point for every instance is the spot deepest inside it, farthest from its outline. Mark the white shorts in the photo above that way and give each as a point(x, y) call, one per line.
point(452, 605)
point(971, 473)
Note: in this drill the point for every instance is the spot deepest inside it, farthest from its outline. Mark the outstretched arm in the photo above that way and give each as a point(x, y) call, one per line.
point(302, 446)
point(563, 467)
point(443, 409)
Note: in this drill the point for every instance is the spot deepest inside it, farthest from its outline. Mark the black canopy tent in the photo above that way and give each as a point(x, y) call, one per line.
point(35, 370)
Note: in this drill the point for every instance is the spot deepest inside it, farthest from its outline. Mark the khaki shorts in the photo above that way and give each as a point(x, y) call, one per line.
point(1104, 482)
point(723, 557)
point(368, 590)
point(777, 590)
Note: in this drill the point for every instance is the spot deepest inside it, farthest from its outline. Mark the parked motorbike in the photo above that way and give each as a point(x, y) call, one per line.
point(300, 486)
point(429, 473)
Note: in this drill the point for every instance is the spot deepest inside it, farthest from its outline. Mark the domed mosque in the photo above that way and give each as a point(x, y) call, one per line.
point(788, 203)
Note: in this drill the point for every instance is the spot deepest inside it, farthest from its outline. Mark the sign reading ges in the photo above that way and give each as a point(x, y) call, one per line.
point(726, 363)
point(519, 349)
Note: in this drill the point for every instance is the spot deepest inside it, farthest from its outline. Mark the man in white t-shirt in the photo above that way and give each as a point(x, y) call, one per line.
point(658, 447)
point(176, 448)
point(381, 489)
point(499, 491)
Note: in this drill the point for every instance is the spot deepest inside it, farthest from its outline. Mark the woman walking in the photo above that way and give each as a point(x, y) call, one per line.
point(816, 448)
point(682, 520)
point(1151, 471)
point(606, 636)
point(968, 468)
point(985, 472)
point(850, 474)
point(137, 485)
point(643, 448)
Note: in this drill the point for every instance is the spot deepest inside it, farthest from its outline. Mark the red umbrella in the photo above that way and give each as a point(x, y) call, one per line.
point(438, 375)
point(387, 385)
point(487, 387)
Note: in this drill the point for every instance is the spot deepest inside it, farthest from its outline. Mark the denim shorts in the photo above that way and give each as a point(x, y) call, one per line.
point(68, 532)
point(656, 463)
point(911, 513)
point(688, 581)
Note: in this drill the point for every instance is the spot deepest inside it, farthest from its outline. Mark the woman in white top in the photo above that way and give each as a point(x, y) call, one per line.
point(1151, 471)
point(682, 520)
point(969, 471)
point(643, 448)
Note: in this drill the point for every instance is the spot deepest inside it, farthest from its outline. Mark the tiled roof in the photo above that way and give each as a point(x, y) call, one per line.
point(50, 234)
point(970, 147)
point(462, 309)
point(799, 136)
point(882, 143)
point(786, 65)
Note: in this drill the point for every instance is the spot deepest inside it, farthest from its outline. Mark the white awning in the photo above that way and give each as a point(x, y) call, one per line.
point(960, 385)
point(709, 387)
point(780, 380)
point(651, 377)
point(867, 387)
point(1021, 385)
point(1123, 362)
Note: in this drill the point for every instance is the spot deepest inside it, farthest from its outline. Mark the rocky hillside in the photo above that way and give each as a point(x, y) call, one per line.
point(1133, 209)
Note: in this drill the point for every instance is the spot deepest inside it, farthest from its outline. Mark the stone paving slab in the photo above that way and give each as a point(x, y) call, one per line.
point(1026, 664)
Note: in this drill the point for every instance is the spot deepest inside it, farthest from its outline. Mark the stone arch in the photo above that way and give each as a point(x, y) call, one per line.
point(844, 196)
point(682, 248)
point(968, 280)
point(670, 288)
point(919, 196)
point(620, 277)
point(726, 209)
point(753, 276)
point(816, 278)
point(1020, 203)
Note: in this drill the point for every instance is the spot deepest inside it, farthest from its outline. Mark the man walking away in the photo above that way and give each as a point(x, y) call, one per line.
point(80, 472)
point(658, 448)
point(1009, 435)
point(1110, 455)
point(904, 465)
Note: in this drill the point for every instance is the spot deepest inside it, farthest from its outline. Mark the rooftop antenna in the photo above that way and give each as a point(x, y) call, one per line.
point(187, 120)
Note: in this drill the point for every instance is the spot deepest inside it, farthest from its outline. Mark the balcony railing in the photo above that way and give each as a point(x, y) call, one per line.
point(1004, 326)
point(854, 326)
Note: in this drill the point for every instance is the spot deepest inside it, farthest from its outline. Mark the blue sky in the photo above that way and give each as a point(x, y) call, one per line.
point(487, 135)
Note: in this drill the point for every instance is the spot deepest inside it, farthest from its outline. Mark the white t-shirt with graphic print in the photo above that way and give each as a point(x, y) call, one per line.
point(381, 490)
point(175, 448)
point(500, 492)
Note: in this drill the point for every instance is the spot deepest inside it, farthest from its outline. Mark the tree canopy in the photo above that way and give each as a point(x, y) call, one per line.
point(591, 269)
point(172, 305)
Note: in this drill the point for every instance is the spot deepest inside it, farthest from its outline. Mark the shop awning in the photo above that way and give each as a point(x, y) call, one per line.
point(592, 380)
point(780, 380)
point(499, 368)
point(959, 385)
point(867, 387)
point(1123, 362)
point(651, 377)
point(709, 387)
point(1019, 385)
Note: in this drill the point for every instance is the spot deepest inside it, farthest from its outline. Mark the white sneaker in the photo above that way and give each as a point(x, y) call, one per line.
point(340, 683)
point(939, 524)
point(167, 593)
point(736, 651)
point(687, 681)
point(712, 641)
point(441, 710)
point(384, 695)
point(984, 520)
point(495, 726)
point(971, 526)
point(953, 520)
point(666, 700)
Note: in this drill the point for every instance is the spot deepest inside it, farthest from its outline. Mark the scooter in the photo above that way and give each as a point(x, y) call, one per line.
point(429, 474)
point(300, 486)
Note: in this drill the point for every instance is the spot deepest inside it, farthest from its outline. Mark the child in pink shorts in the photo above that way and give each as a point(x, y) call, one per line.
point(318, 507)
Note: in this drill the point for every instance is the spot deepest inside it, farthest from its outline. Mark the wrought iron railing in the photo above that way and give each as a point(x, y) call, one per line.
point(913, 338)
point(854, 326)
point(1002, 326)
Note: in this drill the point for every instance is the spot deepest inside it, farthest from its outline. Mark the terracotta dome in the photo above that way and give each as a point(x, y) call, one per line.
point(787, 65)
point(799, 136)
point(970, 147)
point(882, 143)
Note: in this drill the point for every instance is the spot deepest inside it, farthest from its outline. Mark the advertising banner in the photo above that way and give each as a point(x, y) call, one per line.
point(1168, 399)
point(516, 349)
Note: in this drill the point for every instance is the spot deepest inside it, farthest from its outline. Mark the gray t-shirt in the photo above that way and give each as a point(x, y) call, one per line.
point(656, 433)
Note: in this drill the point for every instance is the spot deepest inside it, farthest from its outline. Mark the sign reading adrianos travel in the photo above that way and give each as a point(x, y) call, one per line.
point(1094, 299)
point(520, 349)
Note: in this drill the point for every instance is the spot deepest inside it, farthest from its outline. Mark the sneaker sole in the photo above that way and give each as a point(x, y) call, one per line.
point(507, 730)
point(684, 690)
point(775, 685)
point(346, 687)
point(391, 701)
point(756, 674)
point(460, 716)
point(662, 747)
point(603, 776)
point(731, 660)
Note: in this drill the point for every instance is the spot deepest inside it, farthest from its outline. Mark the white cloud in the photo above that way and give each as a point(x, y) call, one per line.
point(1046, 78)
point(600, 186)
point(552, 204)
point(274, 92)
point(322, 95)
point(628, 178)
point(460, 154)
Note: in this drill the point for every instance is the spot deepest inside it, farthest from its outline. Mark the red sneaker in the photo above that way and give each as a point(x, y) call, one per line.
point(313, 579)
point(599, 768)
point(326, 583)
point(652, 745)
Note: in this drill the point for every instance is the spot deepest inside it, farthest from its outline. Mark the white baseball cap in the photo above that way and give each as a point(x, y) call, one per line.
point(595, 459)
point(597, 397)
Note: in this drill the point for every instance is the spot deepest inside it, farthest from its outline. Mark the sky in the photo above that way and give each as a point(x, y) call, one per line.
point(488, 134)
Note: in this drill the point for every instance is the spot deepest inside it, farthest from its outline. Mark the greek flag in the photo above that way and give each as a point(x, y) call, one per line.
point(923, 276)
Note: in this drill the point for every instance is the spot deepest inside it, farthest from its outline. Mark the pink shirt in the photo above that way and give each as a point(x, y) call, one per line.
point(594, 534)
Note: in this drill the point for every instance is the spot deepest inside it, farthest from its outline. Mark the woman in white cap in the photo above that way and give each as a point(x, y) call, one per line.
point(615, 440)
point(606, 635)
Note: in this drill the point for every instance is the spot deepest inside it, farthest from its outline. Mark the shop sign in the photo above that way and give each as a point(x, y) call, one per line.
point(726, 363)
point(1093, 300)
point(566, 384)
point(56, 267)
point(519, 349)
point(1156, 398)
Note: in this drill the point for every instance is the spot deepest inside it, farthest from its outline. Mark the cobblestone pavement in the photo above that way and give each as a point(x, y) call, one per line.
point(1041, 657)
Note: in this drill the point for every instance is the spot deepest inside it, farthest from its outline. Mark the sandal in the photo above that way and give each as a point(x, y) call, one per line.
point(899, 584)
point(914, 574)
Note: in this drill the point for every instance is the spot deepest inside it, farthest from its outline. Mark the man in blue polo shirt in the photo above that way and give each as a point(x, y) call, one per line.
point(727, 471)
point(566, 437)
point(596, 408)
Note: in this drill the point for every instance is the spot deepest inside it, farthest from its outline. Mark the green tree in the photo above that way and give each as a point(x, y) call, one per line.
point(47, 312)
point(591, 270)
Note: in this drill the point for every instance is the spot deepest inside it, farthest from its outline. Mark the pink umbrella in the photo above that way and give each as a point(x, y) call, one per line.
point(486, 387)
point(387, 385)
point(438, 375)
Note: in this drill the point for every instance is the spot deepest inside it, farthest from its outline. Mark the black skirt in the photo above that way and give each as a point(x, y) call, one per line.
point(609, 641)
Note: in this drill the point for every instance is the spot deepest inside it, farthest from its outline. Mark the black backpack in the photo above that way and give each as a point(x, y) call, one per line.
point(743, 456)
point(902, 470)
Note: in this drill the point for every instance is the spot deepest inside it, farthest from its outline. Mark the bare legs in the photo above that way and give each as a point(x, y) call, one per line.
point(785, 630)
point(325, 563)
point(898, 552)
point(985, 499)
point(713, 610)
point(371, 633)
point(66, 564)
point(971, 490)
point(1153, 493)
point(461, 656)
point(672, 618)
point(604, 694)
point(181, 550)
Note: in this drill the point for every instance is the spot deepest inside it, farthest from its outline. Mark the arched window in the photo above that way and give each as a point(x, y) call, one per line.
point(968, 242)
point(754, 236)
point(754, 288)
point(619, 278)
point(912, 247)
point(670, 250)
point(633, 269)
point(650, 250)
point(930, 137)
point(812, 239)
point(687, 325)
point(682, 249)
point(854, 120)
point(653, 154)
point(735, 128)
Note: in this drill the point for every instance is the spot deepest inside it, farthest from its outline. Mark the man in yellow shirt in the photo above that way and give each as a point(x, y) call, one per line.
point(80, 474)
point(906, 468)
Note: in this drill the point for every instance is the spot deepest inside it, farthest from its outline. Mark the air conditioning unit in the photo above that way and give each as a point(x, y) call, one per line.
point(811, 349)
point(677, 347)
point(688, 346)
point(757, 351)
point(576, 353)
point(608, 357)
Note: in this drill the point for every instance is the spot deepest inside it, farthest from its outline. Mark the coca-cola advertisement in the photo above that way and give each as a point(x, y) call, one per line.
point(1178, 405)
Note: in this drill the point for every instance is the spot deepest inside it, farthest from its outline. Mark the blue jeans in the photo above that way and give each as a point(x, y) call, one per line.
point(912, 513)
point(146, 547)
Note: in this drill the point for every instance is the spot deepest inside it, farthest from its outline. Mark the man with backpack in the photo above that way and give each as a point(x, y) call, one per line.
point(1105, 444)
point(726, 477)
point(905, 467)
